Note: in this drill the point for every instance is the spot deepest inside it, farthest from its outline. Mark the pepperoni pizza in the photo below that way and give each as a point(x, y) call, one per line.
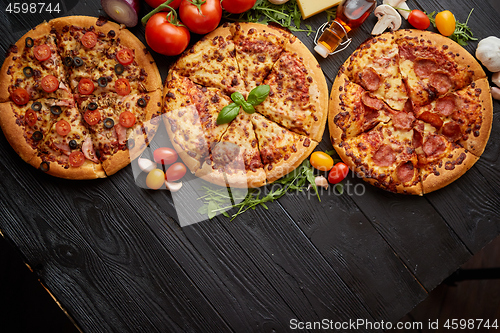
point(410, 111)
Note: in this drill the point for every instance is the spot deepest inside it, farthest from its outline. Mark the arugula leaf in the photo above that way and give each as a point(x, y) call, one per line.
point(462, 33)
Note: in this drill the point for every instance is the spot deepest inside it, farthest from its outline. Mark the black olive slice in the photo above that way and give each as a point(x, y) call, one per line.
point(55, 110)
point(68, 61)
point(73, 144)
point(37, 136)
point(119, 69)
point(36, 106)
point(92, 106)
point(29, 42)
point(102, 82)
point(142, 102)
point(45, 166)
point(28, 71)
point(109, 123)
point(98, 154)
point(130, 143)
point(77, 61)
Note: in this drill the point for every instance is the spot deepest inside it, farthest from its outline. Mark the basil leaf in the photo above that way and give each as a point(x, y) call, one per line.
point(238, 98)
point(247, 107)
point(258, 94)
point(228, 113)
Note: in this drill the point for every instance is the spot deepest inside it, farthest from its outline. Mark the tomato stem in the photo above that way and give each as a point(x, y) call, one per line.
point(198, 4)
point(166, 4)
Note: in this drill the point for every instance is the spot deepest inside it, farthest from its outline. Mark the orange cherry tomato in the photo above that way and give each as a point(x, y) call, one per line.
point(155, 179)
point(89, 39)
point(445, 23)
point(122, 87)
point(321, 161)
point(92, 117)
point(175, 172)
point(20, 96)
point(76, 159)
point(30, 118)
point(127, 119)
point(63, 127)
point(50, 83)
point(165, 155)
point(42, 52)
point(85, 86)
point(125, 56)
point(338, 173)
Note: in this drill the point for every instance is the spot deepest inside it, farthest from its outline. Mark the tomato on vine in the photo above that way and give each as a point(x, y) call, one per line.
point(237, 6)
point(200, 16)
point(166, 35)
point(155, 3)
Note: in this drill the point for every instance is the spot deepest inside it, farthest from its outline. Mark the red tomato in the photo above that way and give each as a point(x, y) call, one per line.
point(338, 173)
point(50, 83)
point(20, 96)
point(165, 155)
point(127, 119)
point(155, 3)
point(321, 161)
point(419, 19)
point(175, 172)
point(122, 87)
point(76, 159)
point(42, 52)
point(125, 56)
point(165, 37)
point(63, 127)
point(89, 39)
point(237, 6)
point(200, 21)
point(30, 117)
point(92, 117)
point(85, 86)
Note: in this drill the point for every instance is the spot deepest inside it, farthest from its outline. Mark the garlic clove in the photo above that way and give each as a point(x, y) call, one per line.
point(173, 187)
point(495, 78)
point(145, 164)
point(321, 181)
point(495, 93)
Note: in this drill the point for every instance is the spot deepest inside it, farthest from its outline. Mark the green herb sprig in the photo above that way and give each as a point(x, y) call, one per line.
point(255, 97)
point(462, 33)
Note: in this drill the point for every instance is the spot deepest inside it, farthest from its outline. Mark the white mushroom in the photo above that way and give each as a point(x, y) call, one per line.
point(488, 52)
point(496, 79)
point(321, 181)
point(173, 187)
point(277, 2)
point(404, 11)
point(495, 93)
point(145, 164)
point(388, 17)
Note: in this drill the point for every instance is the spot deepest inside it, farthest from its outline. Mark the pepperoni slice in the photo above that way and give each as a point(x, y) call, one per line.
point(452, 131)
point(405, 172)
point(63, 127)
point(431, 118)
point(30, 118)
point(76, 159)
point(125, 56)
point(122, 87)
point(446, 106)
point(408, 108)
point(384, 156)
point(85, 86)
point(20, 96)
point(50, 83)
point(89, 39)
point(370, 79)
point(42, 52)
point(403, 120)
point(435, 145)
point(417, 138)
point(441, 82)
point(425, 67)
point(372, 102)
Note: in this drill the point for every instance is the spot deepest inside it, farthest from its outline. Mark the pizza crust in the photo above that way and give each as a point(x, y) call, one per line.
point(14, 132)
point(238, 179)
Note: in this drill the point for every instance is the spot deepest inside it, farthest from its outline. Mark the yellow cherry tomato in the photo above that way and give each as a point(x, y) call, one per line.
point(321, 161)
point(445, 23)
point(155, 179)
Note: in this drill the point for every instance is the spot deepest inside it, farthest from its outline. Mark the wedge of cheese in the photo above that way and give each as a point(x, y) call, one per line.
point(309, 8)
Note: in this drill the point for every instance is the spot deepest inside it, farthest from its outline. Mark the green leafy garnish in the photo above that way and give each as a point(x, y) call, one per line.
point(258, 94)
point(462, 33)
point(287, 15)
point(228, 113)
point(255, 97)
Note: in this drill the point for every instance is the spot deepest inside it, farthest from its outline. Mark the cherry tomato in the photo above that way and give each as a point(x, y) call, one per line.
point(237, 6)
point(20, 96)
point(89, 39)
point(445, 23)
point(155, 179)
point(63, 127)
point(321, 161)
point(155, 3)
point(85, 86)
point(165, 155)
point(125, 56)
point(76, 159)
point(122, 87)
point(200, 21)
point(164, 37)
point(92, 117)
point(338, 173)
point(50, 83)
point(30, 118)
point(127, 119)
point(42, 52)
point(419, 19)
point(175, 172)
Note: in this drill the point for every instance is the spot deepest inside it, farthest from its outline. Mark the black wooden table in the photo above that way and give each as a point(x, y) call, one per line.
point(116, 259)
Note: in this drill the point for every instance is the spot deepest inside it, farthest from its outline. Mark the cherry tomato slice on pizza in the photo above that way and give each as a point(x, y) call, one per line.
point(321, 161)
point(338, 173)
point(76, 159)
point(92, 117)
point(30, 118)
point(42, 52)
point(63, 127)
point(89, 39)
point(20, 96)
point(127, 119)
point(122, 87)
point(50, 83)
point(85, 86)
point(125, 56)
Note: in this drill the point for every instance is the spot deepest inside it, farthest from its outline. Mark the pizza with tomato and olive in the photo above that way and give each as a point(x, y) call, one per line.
point(410, 111)
point(257, 147)
point(79, 97)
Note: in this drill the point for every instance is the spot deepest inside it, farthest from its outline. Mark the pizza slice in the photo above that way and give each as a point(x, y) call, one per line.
point(432, 65)
point(281, 150)
point(375, 66)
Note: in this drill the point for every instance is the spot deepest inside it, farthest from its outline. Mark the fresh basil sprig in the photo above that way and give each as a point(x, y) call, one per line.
point(255, 97)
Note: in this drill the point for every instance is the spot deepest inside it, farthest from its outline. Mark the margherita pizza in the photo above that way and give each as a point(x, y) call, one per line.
point(257, 148)
point(410, 111)
point(77, 96)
